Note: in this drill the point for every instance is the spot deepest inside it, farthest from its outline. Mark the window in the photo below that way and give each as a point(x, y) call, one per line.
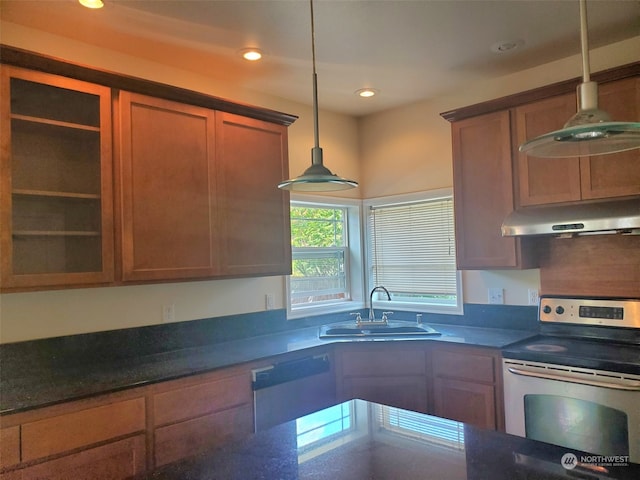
point(411, 247)
point(326, 256)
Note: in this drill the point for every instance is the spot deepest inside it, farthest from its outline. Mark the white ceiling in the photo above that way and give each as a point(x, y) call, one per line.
point(407, 49)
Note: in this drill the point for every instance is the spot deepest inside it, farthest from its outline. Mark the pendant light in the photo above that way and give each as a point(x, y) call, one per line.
point(590, 131)
point(316, 178)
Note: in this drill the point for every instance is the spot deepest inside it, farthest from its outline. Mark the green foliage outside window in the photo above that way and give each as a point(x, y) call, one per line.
point(317, 227)
point(318, 267)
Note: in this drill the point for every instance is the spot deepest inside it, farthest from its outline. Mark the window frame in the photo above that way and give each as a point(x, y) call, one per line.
point(415, 197)
point(354, 256)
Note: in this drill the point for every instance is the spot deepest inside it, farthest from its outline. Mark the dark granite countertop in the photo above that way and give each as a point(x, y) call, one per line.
point(377, 442)
point(51, 379)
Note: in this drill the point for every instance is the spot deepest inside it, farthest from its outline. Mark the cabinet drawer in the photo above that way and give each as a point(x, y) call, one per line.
point(9, 446)
point(463, 365)
point(78, 429)
point(184, 439)
point(114, 461)
point(384, 362)
point(196, 400)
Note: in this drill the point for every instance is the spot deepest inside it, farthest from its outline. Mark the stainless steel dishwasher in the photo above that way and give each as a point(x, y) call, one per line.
point(293, 388)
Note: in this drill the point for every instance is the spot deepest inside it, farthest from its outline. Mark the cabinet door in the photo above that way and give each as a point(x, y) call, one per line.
point(56, 213)
point(546, 180)
point(251, 159)
point(467, 385)
point(465, 401)
point(190, 437)
point(409, 393)
point(113, 461)
point(483, 192)
point(614, 175)
point(390, 374)
point(169, 228)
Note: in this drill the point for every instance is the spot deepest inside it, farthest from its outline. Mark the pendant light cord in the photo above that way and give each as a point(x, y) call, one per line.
point(584, 42)
point(315, 84)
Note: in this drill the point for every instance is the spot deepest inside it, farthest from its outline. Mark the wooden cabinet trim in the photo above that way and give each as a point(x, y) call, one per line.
point(23, 58)
point(559, 88)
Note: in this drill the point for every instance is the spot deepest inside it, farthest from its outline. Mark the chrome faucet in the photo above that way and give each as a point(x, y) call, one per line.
point(371, 313)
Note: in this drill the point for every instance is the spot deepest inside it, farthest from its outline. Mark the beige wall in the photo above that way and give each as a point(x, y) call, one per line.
point(409, 149)
point(399, 151)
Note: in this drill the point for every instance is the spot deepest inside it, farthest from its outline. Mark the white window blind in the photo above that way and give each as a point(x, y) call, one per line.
point(436, 430)
point(413, 248)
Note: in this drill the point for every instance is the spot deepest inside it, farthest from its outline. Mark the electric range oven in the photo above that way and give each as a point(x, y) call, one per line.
point(577, 384)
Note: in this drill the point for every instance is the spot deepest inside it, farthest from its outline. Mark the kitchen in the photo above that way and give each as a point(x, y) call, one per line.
point(28, 316)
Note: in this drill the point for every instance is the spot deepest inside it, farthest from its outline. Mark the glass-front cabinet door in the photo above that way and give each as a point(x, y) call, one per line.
point(56, 183)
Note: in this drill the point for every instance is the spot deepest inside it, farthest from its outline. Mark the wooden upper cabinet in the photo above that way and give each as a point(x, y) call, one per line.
point(168, 225)
point(545, 180)
point(56, 207)
point(251, 159)
point(614, 175)
point(554, 180)
point(483, 192)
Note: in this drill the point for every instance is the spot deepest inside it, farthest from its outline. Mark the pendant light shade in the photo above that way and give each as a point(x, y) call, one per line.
point(590, 131)
point(316, 178)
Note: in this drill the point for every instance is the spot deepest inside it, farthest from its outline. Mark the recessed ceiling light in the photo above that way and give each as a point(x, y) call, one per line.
point(91, 3)
point(506, 46)
point(251, 54)
point(366, 92)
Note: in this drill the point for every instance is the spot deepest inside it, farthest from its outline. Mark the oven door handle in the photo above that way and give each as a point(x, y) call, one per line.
point(612, 383)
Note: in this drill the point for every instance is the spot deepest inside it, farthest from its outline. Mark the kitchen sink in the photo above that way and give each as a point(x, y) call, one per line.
point(391, 329)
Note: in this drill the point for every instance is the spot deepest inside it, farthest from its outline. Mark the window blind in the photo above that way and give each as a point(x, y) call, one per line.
point(413, 247)
point(441, 431)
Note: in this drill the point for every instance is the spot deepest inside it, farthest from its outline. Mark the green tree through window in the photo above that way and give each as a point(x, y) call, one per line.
point(319, 255)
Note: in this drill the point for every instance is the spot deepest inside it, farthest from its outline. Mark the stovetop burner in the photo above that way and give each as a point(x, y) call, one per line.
point(574, 352)
point(546, 347)
point(598, 334)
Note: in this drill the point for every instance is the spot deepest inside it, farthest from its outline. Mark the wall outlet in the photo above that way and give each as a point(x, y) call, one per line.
point(169, 313)
point(533, 296)
point(496, 295)
point(269, 301)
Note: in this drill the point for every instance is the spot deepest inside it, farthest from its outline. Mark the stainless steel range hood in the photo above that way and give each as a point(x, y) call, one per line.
point(619, 216)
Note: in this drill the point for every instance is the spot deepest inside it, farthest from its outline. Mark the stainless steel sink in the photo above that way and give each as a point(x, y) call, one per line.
point(392, 329)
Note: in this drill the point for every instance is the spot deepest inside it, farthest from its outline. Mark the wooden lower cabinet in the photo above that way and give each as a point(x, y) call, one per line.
point(115, 460)
point(190, 437)
point(200, 412)
point(452, 381)
point(467, 385)
point(119, 435)
point(465, 401)
point(10, 446)
point(99, 438)
point(393, 374)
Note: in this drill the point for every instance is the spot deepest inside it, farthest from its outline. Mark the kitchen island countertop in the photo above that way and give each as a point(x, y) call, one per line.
point(378, 442)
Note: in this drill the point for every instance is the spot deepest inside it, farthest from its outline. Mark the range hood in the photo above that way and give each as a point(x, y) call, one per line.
point(619, 216)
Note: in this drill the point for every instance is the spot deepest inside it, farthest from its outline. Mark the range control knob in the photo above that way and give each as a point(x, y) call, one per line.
point(559, 310)
point(546, 309)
